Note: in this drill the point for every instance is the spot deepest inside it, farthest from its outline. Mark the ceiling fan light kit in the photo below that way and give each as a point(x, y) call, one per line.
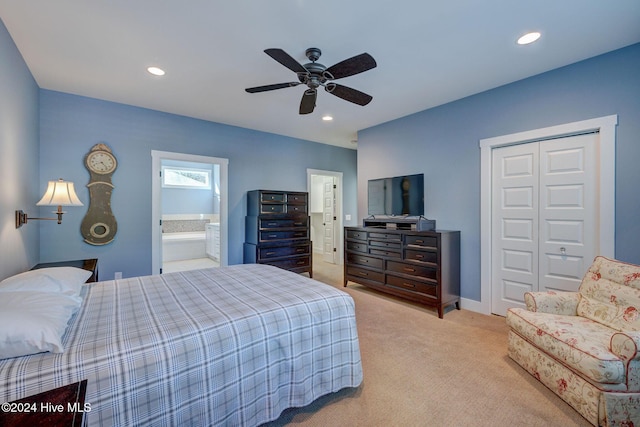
point(314, 75)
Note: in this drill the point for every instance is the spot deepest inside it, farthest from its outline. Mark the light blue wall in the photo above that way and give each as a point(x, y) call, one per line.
point(21, 185)
point(70, 125)
point(442, 143)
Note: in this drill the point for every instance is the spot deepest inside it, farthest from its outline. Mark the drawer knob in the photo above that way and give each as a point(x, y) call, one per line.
point(273, 235)
point(412, 270)
point(419, 256)
point(270, 253)
point(419, 241)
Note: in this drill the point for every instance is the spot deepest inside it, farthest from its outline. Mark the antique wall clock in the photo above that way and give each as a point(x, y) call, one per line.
point(99, 225)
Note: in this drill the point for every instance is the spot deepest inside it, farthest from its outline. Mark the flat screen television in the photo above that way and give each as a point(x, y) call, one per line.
point(399, 195)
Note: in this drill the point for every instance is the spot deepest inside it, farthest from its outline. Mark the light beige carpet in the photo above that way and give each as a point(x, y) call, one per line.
point(420, 370)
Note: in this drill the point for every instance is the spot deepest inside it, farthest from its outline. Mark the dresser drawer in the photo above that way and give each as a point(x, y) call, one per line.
point(274, 197)
point(283, 222)
point(413, 270)
point(385, 245)
point(386, 253)
point(425, 241)
point(385, 236)
point(412, 285)
point(364, 260)
point(422, 256)
point(375, 276)
point(356, 234)
point(290, 263)
point(296, 209)
point(282, 251)
point(275, 235)
point(356, 246)
point(297, 198)
point(272, 208)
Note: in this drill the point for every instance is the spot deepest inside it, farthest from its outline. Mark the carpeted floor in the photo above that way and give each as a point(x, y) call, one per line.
point(420, 370)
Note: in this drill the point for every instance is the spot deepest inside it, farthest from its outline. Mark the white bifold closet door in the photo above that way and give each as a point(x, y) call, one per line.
point(544, 217)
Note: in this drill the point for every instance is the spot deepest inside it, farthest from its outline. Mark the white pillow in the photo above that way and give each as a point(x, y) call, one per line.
point(33, 322)
point(65, 280)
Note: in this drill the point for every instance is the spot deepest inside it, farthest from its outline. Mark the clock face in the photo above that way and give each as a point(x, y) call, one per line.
point(101, 162)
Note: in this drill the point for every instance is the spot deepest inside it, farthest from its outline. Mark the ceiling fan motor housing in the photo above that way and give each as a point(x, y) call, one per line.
point(316, 75)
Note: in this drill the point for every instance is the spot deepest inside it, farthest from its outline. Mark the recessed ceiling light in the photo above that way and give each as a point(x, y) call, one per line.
point(156, 71)
point(529, 38)
point(327, 118)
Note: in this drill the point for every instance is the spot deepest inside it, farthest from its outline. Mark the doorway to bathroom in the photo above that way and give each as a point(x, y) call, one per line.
point(189, 217)
point(325, 212)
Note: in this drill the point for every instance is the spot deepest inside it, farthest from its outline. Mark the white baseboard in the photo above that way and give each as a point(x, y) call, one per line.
point(473, 305)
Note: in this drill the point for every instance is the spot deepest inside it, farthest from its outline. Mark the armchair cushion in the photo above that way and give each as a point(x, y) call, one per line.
point(579, 343)
point(610, 294)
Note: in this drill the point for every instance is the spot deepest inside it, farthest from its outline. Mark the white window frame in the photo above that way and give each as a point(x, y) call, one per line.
point(203, 172)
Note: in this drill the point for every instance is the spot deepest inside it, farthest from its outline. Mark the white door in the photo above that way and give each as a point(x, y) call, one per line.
point(545, 230)
point(328, 220)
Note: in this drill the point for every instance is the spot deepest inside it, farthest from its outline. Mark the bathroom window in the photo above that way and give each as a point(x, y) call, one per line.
point(174, 177)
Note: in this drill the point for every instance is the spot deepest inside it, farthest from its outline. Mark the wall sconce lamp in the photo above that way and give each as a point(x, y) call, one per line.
point(59, 193)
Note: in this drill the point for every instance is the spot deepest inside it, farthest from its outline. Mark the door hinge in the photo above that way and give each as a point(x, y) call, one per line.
point(335, 250)
point(161, 223)
point(335, 218)
point(335, 186)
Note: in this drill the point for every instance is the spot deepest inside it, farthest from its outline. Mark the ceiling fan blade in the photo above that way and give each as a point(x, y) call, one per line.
point(308, 102)
point(348, 94)
point(351, 66)
point(271, 87)
point(285, 59)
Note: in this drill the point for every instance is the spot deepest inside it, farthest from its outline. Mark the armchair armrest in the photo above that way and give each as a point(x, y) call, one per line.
point(626, 344)
point(552, 302)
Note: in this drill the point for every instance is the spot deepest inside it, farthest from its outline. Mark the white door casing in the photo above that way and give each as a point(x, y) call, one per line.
point(156, 206)
point(606, 126)
point(545, 230)
point(338, 231)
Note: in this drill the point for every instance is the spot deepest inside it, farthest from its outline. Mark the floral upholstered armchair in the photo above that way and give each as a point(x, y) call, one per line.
point(585, 345)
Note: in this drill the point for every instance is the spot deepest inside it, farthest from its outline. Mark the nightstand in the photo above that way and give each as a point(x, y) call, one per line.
point(87, 264)
point(63, 406)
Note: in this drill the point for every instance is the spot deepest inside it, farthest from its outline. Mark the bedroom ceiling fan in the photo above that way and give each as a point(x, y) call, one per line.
point(314, 75)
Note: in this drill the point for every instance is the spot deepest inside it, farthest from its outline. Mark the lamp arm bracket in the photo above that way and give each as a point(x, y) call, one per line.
point(23, 218)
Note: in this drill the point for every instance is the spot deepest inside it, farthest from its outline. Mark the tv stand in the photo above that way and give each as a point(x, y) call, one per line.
point(416, 223)
point(422, 266)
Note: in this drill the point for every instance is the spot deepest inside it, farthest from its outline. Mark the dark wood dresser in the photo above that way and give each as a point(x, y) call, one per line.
point(277, 230)
point(423, 266)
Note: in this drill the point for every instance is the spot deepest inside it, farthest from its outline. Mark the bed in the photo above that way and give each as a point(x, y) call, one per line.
point(227, 346)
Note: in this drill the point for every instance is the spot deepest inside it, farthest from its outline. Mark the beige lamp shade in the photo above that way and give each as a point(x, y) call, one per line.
point(60, 193)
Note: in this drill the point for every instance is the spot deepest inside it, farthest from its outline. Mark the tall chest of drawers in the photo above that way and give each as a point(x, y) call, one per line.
point(423, 266)
point(277, 230)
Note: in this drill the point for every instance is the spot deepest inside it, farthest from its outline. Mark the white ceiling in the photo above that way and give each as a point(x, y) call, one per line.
point(428, 52)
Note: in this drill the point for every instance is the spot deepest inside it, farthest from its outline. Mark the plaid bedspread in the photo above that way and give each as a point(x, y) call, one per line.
point(230, 346)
